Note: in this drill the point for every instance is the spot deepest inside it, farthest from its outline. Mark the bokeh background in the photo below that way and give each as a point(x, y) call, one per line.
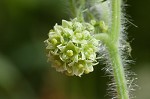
point(24, 71)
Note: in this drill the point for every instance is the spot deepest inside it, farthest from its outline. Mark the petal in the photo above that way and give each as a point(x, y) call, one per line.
point(66, 24)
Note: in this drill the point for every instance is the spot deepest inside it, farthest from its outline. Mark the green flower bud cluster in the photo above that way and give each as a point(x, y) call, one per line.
point(71, 47)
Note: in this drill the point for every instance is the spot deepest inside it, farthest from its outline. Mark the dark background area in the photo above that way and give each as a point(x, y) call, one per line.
point(24, 71)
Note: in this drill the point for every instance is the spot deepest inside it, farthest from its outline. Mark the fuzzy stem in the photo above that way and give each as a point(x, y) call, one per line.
point(115, 55)
point(118, 72)
point(116, 20)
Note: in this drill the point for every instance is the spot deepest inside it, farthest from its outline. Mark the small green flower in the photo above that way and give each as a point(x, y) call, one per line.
point(71, 47)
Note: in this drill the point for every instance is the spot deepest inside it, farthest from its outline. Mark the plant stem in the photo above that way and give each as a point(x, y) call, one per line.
point(115, 55)
point(116, 20)
point(118, 72)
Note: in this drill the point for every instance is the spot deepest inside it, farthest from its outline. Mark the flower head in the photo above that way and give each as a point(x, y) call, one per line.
point(71, 47)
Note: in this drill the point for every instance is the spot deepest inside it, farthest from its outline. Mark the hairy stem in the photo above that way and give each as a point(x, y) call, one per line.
point(115, 55)
point(116, 20)
point(118, 72)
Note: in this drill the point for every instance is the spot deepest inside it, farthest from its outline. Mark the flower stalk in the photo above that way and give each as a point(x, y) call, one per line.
point(115, 55)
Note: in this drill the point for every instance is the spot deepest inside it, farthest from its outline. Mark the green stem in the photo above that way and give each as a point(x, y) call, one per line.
point(118, 72)
point(115, 55)
point(116, 20)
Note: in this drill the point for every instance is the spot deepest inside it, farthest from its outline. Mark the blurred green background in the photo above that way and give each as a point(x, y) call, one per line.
point(24, 71)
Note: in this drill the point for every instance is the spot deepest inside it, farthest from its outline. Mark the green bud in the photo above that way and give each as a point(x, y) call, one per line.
point(54, 41)
point(69, 53)
point(103, 26)
point(78, 35)
point(93, 22)
point(80, 66)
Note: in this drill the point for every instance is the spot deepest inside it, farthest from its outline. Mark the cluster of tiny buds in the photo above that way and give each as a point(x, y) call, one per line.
point(71, 47)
